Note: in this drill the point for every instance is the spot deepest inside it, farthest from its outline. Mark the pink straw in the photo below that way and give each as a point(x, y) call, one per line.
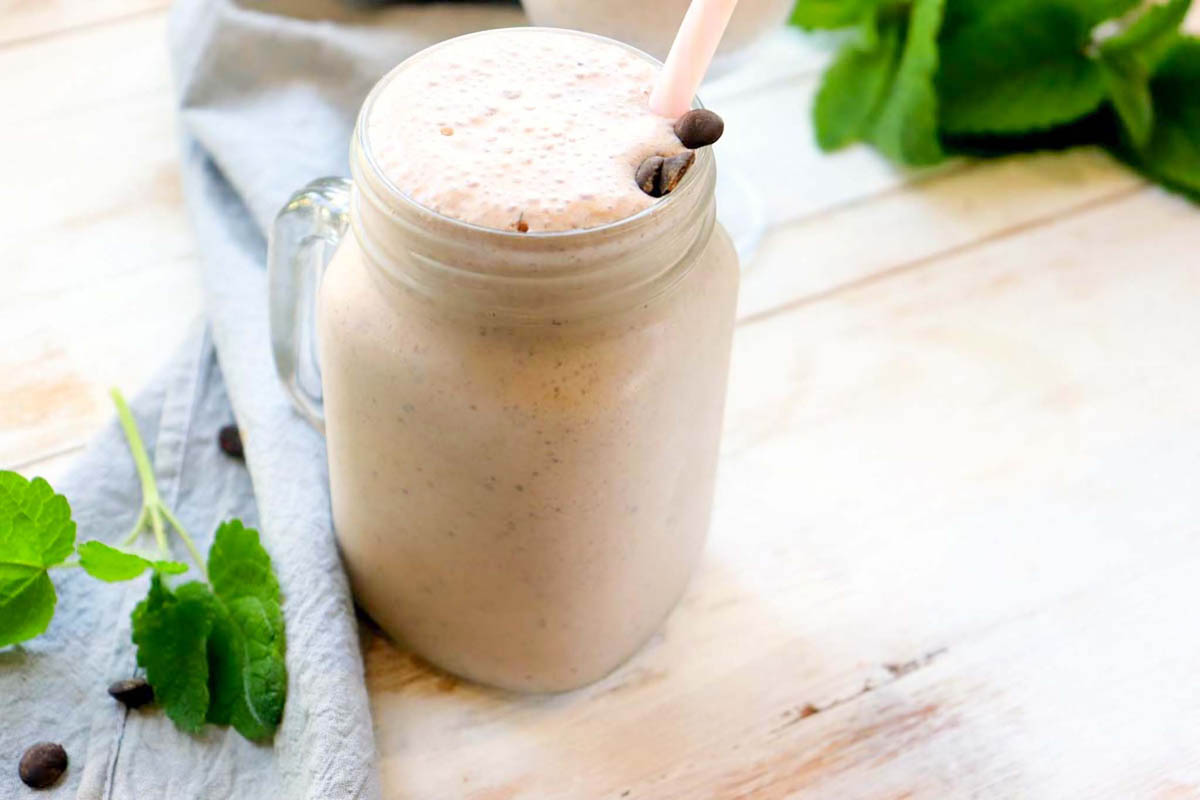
point(690, 55)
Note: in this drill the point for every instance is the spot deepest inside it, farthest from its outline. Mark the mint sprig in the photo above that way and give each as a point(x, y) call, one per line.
point(213, 649)
point(930, 78)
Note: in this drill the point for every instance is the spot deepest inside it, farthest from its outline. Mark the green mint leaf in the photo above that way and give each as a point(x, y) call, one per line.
point(1017, 66)
point(905, 128)
point(248, 676)
point(1128, 59)
point(1150, 37)
point(1096, 11)
point(217, 654)
point(867, 29)
point(110, 564)
point(852, 89)
point(171, 631)
point(830, 14)
point(36, 532)
point(962, 13)
point(1129, 91)
point(238, 566)
point(27, 601)
point(50, 538)
point(1172, 155)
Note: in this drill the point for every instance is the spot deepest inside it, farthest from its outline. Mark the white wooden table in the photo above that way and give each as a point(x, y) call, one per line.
point(956, 545)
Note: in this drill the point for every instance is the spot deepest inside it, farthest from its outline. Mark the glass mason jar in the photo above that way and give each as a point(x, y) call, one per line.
point(522, 428)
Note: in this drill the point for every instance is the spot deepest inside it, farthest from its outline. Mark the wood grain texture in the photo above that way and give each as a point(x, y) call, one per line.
point(100, 268)
point(1055, 704)
point(55, 79)
point(28, 20)
point(915, 223)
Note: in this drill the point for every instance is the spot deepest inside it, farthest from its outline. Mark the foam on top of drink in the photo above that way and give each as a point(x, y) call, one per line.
point(521, 129)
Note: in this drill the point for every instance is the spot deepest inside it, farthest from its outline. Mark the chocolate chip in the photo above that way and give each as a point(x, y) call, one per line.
point(230, 439)
point(673, 169)
point(657, 176)
point(647, 175)
point(42, 765)
point(134, 692)
point(699, 128)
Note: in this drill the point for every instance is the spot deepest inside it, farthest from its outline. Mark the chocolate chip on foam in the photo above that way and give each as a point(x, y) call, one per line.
point(657, 176)
point(699, 128)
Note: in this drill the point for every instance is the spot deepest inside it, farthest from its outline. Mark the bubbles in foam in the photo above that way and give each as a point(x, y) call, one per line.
point(546, 126)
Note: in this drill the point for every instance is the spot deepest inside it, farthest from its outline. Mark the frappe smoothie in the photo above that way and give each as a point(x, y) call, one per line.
point(524, 359)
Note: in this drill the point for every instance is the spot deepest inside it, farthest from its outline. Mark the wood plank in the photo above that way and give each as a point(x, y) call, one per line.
point(1091, 697)
point(51, 467)
point(907, 463)
point(57, 80)
point(112, 204)
point(24, 20)
point(41, 376)
point(101, 282)
point(911, 223)
point(63, 353)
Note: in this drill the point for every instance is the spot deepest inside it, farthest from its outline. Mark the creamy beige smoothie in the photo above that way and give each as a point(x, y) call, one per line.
point(650, 25)
point(524, 359)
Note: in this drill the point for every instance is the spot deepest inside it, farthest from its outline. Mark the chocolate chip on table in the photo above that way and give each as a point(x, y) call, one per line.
point(133, 692)
point(699, 128)
point(673, 169)
point(230, 439)
point(43, 764)
point(647, 175)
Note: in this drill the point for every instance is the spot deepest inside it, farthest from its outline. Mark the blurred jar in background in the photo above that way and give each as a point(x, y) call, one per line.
point(650, 25)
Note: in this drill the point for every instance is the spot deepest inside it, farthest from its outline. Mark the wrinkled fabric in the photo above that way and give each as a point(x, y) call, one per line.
point(266, 103)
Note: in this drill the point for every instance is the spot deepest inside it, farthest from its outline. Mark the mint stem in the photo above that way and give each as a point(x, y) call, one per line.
point(187, 540)
point(137, 449)
point(160, 533)
point(153, 508)
point(137, 529)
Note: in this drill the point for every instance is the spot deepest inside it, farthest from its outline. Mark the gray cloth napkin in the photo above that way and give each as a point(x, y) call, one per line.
point(267, 102)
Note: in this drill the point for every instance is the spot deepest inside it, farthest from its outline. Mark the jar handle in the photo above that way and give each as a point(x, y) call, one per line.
point(304, 236)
